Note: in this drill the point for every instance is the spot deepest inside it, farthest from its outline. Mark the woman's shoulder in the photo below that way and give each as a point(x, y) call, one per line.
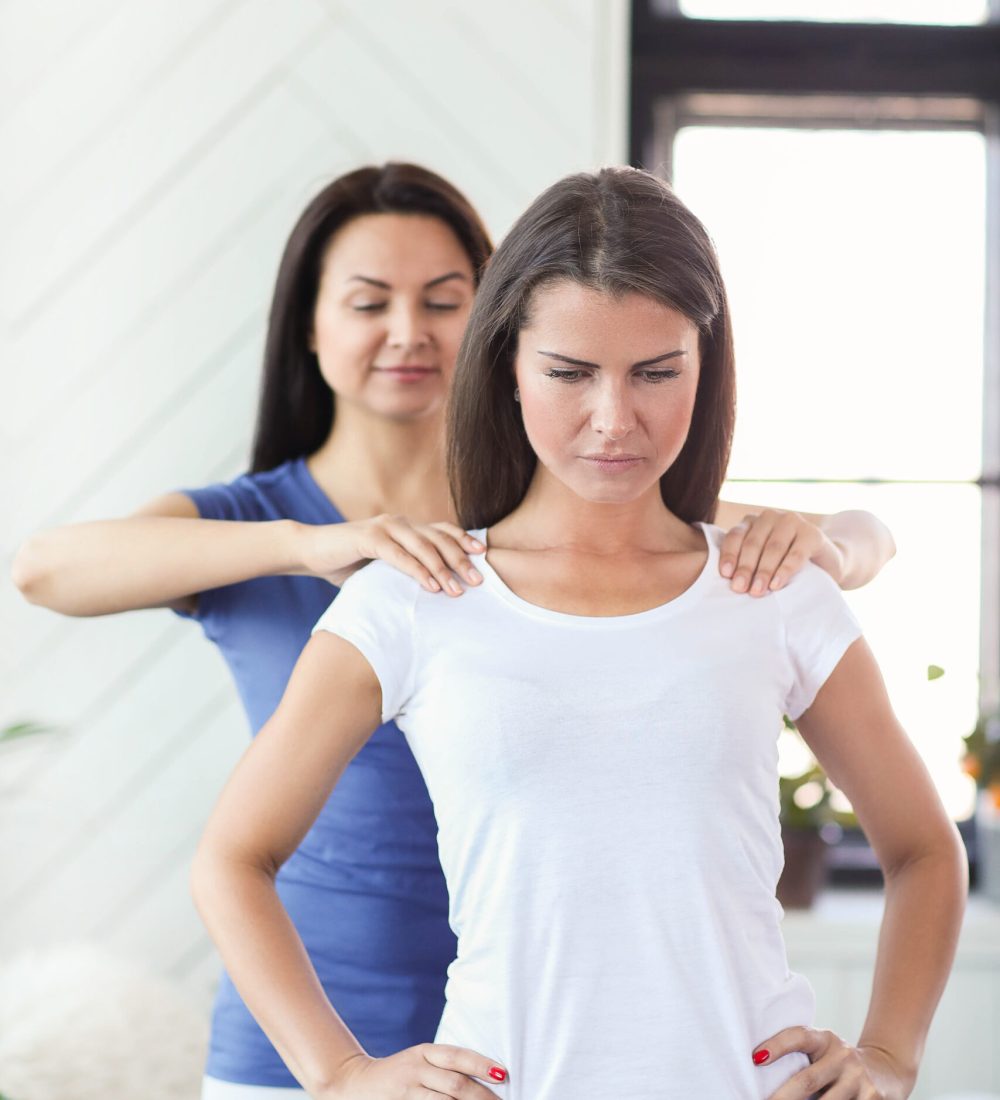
point(378, 580)
point(276, 493)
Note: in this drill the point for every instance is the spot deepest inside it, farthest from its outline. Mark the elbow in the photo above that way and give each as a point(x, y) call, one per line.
point(207, 871)
point(217, 873)
point(30, 571)
point(944, 856)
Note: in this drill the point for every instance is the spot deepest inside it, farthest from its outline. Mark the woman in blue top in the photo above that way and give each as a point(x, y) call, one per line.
point(372, 297)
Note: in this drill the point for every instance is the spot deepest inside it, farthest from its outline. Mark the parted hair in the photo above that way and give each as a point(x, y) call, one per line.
point(296, 407)
point(618, 231)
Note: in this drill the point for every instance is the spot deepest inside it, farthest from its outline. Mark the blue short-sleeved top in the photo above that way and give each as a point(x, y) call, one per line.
point(365, 889)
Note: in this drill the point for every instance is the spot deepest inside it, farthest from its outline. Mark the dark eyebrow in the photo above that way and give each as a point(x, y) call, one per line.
point(641, 363)
point(387, 286)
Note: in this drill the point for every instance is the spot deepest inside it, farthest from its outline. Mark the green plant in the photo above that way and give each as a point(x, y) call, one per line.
point(17, 730)
point(807, 796)
point(982, 754)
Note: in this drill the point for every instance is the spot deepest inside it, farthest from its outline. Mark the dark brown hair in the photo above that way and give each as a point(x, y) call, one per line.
point(296, 406)
point(620, 231)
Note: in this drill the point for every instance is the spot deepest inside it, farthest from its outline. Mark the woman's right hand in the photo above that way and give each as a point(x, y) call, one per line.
point(428, 1070)
point(431, 553)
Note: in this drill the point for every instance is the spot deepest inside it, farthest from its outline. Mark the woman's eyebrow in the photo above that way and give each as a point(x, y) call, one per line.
point(444, 278)
point(641, 363)
point(388, 286)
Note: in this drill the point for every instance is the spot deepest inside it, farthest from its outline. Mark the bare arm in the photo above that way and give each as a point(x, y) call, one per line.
point(856, 737)
point(764, 547)
point(160, 557)
point(334, 697)
point(164, 555)
point(329, 709)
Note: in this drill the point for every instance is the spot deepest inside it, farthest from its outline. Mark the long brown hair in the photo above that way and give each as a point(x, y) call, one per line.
point(296, 406)
point(619, 230)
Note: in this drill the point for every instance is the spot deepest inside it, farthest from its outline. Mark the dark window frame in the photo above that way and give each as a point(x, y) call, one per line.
point(685, 67)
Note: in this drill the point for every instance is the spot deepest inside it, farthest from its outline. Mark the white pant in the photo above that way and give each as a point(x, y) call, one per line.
point(214, 1089)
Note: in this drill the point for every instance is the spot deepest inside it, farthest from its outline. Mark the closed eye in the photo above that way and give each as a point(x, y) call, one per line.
point(437, 307)
point(658, 375)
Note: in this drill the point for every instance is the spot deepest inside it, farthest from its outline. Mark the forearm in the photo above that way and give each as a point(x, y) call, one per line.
point(865, 542)
point(264, 956)
point(924, 904)
point(115, 565)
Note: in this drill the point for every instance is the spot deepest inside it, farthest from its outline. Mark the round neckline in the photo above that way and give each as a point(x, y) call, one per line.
point(495, 583)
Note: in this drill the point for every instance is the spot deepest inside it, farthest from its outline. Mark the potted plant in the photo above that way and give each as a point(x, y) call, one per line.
point(982, 762)
point(808, 819)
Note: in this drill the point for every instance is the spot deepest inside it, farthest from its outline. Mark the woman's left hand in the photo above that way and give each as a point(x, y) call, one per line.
point(837, 1071)
point(765, 549)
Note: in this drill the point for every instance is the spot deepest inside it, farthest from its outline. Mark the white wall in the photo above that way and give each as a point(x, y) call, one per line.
point(155, 157)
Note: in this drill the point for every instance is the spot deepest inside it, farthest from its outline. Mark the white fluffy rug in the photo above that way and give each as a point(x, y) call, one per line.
point(79, 1024)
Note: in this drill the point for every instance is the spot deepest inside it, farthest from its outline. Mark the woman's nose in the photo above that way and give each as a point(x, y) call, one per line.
point(407, 329)
point(613, 415)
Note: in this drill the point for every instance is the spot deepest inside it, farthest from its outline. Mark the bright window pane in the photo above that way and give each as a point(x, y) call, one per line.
point(855, 267)
point(923, 609)
point(842, 11)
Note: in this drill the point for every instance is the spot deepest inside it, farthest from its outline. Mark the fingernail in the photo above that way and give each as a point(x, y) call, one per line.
point(777, 581)
point(454, 588)
point(476, 544)
point(727, 568)
point(433, 585)
point(740, 584)
point(498, 1074)
point(761, 1057)
point(757, 587)
point(474, 575)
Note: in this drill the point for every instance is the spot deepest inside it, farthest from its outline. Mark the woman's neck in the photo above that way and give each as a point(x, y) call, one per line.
point(553, 516)
point(370, 464)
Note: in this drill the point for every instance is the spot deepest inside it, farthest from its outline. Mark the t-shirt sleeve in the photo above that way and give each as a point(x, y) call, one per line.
point(375, 612)
point(232, 500)
point(819, 628)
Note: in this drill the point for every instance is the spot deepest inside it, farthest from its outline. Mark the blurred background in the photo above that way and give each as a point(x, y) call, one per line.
point(844, 155)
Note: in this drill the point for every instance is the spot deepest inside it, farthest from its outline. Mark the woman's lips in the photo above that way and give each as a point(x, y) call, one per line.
point(613, 463)
point(408, 373)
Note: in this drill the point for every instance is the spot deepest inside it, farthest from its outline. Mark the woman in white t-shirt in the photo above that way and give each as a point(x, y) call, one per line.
point(596, 723)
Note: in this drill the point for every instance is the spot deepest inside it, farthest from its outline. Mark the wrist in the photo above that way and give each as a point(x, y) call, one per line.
point(294, 543)
point(894, 1075)
point(335, 1082)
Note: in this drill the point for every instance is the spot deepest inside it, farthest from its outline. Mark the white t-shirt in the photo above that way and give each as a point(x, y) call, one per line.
point(607, 800)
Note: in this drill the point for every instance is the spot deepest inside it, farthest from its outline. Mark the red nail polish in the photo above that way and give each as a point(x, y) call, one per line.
point(498, 1074)
point(761, 1057)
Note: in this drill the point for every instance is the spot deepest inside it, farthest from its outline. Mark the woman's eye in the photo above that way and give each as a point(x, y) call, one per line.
point(443, 307)
point(659, 375)
point(565, 375)
point(368, 307)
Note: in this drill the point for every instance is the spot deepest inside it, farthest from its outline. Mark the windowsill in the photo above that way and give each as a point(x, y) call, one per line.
point(847, 921)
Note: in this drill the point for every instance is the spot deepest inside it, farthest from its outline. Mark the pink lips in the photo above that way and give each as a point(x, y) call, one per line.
point(407, 372)
point(613, 463)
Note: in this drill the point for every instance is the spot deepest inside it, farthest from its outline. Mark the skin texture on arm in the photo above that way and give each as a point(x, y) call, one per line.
point(330, 708)
point(164, 555)
point(286, 776)
point(857, 739)
point(160, 557)
point(764, 547)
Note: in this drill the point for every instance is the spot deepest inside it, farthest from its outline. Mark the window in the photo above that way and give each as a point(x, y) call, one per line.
point(840, 11)
point(848, 200)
